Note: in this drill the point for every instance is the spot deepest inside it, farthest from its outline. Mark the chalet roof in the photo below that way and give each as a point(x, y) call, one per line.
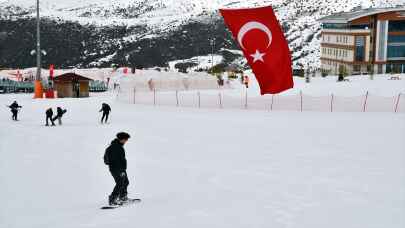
point(71, 77)
point(346, 17)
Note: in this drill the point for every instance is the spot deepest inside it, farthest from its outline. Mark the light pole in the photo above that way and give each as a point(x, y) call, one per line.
point(38, 85)
point(212, 43)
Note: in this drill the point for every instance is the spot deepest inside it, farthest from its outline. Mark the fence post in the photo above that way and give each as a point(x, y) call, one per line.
point(365, 103)
point(154, 97)
point(246, 99)
point(331, 103)
point(397, 104)
point(134, 95)
point(301, 99)
point(220, 100)
point(199, 99)
point(272, 102)
point(177, 98)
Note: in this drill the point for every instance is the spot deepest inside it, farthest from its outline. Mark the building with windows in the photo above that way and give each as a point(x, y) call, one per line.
point(364, 40)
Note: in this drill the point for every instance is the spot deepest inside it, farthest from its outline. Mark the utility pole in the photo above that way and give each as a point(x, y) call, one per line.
point(212, 42)
point(38, 78)
point(38, 90)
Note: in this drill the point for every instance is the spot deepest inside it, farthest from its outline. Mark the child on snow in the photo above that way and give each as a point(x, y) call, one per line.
point(14, 110)
point(49, 116)
point(106, 109)
point(59, 113)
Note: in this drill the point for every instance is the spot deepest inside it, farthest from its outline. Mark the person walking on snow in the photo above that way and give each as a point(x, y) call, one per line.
point(59, 113)
point(114, 157)
point(49, 116)
point(14, 110)
point(106, 109)
point(246, 81)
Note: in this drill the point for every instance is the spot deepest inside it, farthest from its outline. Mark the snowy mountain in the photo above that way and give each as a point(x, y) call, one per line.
point(150, 32)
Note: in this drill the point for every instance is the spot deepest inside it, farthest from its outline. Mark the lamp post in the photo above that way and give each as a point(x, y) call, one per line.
point(38, 86)
point(212, 43)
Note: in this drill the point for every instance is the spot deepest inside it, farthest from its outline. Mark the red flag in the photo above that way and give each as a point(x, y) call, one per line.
point(51, 69)
point(263, 43)
point(126, 70)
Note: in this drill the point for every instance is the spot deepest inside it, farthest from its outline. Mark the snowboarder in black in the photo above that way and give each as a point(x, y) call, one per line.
point(106, 109)
point(59, 113)
point(114, 157)
point(14, 110)
point(49, 116)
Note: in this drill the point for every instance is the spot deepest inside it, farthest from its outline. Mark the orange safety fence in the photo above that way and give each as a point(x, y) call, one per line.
point(300, 102)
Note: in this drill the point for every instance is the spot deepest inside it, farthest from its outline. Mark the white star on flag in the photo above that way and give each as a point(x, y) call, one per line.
point(258, 56)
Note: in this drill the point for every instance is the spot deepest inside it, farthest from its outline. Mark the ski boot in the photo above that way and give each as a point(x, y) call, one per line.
point(123, 199)
point(113, 201)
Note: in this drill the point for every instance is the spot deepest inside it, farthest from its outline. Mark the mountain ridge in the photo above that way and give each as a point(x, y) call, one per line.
point(123, 32)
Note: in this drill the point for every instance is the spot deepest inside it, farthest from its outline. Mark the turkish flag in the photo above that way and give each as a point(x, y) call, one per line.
point(263, 43)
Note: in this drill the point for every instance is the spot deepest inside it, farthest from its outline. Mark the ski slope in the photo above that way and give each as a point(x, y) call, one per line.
point(202, 168)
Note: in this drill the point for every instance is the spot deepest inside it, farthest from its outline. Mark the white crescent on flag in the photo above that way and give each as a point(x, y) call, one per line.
point(250, 26)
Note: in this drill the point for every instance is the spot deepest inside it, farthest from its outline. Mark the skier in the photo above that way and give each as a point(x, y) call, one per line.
point(14, 110)
point(106, 109)
point(59, 113)
point(49, 115)
point(114, 157)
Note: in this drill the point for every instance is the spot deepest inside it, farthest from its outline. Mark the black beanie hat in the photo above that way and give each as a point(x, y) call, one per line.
point(123, 135)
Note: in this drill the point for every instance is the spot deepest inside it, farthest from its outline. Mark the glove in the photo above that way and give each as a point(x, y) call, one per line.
point(123, 174)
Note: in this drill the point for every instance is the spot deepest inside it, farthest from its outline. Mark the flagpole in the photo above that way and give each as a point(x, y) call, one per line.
point(38, 86)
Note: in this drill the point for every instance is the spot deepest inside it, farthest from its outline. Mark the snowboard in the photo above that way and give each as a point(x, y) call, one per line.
point(122, 204)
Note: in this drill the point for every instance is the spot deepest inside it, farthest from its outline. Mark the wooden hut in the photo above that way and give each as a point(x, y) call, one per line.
point(71, 85)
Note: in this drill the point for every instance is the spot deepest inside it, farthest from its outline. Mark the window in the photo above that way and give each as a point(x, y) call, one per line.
point(396, 26)
point(334, 26)
point(396, 52)
point(396, 39)
point(360, 49)
point(356, 68)
point(380, 69)
point(364, 26)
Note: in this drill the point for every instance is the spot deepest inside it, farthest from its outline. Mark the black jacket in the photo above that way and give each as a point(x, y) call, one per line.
point(60, 112)
point(49, 112)
point(14, 106)
point(114, 157)
point(105, 108)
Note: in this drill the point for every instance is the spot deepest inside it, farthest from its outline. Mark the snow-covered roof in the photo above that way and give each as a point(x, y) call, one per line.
point(346, 17)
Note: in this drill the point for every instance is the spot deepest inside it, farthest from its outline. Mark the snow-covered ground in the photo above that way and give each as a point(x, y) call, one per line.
point(202, 168)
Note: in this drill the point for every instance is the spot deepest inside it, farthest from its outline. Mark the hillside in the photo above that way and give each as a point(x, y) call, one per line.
point(149, 33)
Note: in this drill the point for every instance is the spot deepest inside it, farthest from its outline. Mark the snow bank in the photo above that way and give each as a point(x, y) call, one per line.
point(202, 168)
